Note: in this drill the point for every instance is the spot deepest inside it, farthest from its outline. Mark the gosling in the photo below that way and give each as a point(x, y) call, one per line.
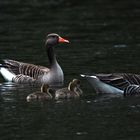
point(46, 93)
point(72, 91)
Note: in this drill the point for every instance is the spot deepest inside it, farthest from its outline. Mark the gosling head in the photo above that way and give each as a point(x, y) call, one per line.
point(31, 97)
point(75, 83)
point(46, 88)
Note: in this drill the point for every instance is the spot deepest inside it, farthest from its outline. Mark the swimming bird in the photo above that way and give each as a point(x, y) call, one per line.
point(20, 72)
point(72, 91)
point(46, 93)
point(117, 83)
point(132, 90)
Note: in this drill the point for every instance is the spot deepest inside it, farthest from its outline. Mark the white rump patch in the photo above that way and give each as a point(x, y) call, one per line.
point(93, 76)
point(7, 75)
point(82, 75)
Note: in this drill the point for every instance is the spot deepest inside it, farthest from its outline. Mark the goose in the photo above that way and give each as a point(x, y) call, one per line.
point(72, 91)
point(20, 72)
point(117, 83)
point(45, 93)
point(132, 90)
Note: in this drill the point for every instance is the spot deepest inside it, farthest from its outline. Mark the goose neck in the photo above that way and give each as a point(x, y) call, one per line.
point(51, 55)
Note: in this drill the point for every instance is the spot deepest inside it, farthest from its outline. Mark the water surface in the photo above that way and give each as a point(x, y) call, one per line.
point(104, 37)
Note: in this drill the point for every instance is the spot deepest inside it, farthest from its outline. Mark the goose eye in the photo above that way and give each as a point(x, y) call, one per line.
point(53, 36)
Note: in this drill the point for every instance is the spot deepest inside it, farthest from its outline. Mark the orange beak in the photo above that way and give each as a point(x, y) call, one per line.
point(62, 40)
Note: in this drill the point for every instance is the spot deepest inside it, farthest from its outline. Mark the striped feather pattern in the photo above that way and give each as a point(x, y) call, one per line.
point(132, 90)
point(52, 76)
point(132, 78)
point(25, 69)
point(114, 80)
point(120, 80)
point(23, 79)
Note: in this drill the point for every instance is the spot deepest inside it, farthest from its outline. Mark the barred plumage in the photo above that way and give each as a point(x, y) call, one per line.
point(132, 78)
point(20, 72)
point(32, 70)
point(25, 68)
point(120, 80)
point(112, 83)
point(132, 90)
point(24, 79)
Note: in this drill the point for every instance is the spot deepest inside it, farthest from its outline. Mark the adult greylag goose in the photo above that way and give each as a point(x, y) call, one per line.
point(72, 91)
point(46, 93)
point(118, 83)
point(20, 72)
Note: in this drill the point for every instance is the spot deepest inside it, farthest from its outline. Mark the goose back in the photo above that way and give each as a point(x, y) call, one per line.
point(120, 80)
point(25, 68)
point(132, 90)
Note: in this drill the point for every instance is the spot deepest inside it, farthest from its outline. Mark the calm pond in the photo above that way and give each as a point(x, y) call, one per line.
point(104, 37)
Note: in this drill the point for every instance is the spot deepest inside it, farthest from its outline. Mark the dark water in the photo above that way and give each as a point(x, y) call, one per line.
point(104, 36)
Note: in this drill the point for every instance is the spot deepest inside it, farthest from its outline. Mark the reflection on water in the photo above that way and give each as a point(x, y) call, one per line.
point(104, 37)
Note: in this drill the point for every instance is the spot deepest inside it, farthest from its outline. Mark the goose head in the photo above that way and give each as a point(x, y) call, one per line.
point(55, 76)
point(54, 39)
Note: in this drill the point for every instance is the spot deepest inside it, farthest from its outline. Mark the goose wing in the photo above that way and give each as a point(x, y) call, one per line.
point(120, 80)
point(20, 78)
point(132, 78)
point(27, 69)
point(116, 80)
point(132, 90)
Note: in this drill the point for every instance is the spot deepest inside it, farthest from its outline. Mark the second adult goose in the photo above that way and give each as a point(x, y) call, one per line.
point(20, 72)
point(117, 83)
